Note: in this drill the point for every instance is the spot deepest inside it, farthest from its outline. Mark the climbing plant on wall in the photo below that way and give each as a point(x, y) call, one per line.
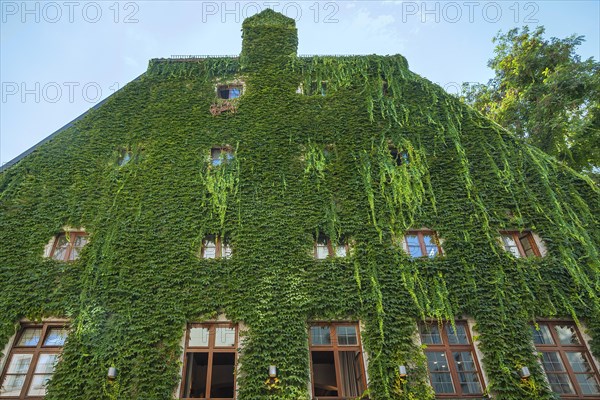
point(304, 164)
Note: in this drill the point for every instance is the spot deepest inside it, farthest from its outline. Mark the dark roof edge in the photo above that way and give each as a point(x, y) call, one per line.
point(18, 158)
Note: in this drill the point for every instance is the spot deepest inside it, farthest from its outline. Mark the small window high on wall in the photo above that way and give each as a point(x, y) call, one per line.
point(566, 360)
point(68, 245)
point(210, 359)
point(422, 243)
point(215, 246)
point(519, 244)
point(337, 369)
point(453, 367)
point(32, 359)
point(324, 247)
point(229, 92)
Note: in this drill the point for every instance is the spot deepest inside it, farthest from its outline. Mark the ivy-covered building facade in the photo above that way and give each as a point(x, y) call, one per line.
point(272, 226)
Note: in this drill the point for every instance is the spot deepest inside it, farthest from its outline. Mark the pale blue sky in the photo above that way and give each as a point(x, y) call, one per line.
point(57, 59)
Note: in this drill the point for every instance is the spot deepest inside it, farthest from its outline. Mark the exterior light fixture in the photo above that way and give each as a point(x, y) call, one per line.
point(402, 371)
point(272, 371)
point(524, 372)
point(112, 373)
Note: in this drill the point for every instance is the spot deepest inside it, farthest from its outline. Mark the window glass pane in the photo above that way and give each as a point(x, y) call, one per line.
point(196, 375)
point(566, 334)
point(442, 383)
point(464, 361)
point(560, 383)
point(526, 243)
point(320, 335)
point(430, 245)
point(31, 337)
point(346, 335)
point(198, 337)
point(215, 154)
point(223, 374)
point(467, 372)
point(38, 385)
point(543, 335)
point(322, 249)
point(552, 362)
point(226, 251)
point(437, 361)
point(79, 241)
point(457, 334)
point(578, 362)
point(510, 245)
point(430, 334)
point(324, 374)
point(340, 250)
point(60, 248)
point(209, 249)
point(19, 363)
point(235, 92)
point(414, 249)
point(56, 337)
point(46, 363)
point(225, 337)
point(588, 383)
point(12, 385)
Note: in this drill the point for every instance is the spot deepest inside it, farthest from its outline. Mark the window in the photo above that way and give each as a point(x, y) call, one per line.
point(325, 248)
point(210, 358)
point(317, 88)
point(214, 246)
point(124, 157)
point(229, 92)
point(453, 367)
point(566, 360)
point(519, 244)
point(32, 359)
point(67, 246)
point(337, 369)
point(422, 244)
point(221, 155)
point(399, 157)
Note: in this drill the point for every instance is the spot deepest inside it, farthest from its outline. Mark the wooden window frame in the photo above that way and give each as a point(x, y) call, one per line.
point(210, 350)
point(36, 351)
point(219, 242)
point(420, 233)
point(562, 350)
point(448, 349)
point(516, 238)
point(331, 250)
point(72, 235)
point(336, 349)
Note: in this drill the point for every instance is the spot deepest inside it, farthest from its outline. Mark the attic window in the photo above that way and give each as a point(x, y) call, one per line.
point(399, 157)
point(221, 155)
point(229, 92)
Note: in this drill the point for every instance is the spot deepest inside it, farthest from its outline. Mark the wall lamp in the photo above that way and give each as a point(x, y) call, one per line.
point(524, 373)
point(272, 371)
point(402, 371)
point(112, 373)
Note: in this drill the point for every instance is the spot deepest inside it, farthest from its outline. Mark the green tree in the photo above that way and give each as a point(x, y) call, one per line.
point(544, 92)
